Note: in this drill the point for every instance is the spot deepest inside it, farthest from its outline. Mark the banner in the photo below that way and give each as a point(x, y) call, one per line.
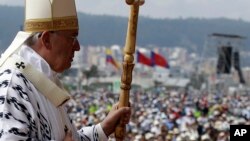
point(141, 58)
point(111, 60)
point(158, 60)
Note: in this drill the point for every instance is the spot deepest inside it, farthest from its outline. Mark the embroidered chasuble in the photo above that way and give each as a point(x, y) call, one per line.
point(26, 114)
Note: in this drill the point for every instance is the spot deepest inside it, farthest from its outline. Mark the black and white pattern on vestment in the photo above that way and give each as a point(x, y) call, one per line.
point(45, 127)
point(45, 121)
point(23, 115)
point(95, 135)
point(25, 81)
point(18, 120)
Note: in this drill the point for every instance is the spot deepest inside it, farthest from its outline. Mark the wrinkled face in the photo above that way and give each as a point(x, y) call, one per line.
point(63, 46)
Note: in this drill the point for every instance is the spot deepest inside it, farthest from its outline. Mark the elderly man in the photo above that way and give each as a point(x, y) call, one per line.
point(32, 99)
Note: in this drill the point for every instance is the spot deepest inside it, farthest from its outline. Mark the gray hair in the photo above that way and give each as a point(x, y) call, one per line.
point(33, 39)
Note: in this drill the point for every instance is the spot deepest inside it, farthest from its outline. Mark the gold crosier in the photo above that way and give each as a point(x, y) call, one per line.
point(128, 63)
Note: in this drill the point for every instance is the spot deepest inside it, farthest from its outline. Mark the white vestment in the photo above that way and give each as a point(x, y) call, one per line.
point(26, 114)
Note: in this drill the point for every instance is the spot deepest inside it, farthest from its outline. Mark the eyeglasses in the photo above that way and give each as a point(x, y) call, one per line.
point(73, 38)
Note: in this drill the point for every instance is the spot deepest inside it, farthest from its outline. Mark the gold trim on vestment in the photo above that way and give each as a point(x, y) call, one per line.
point(64, 23)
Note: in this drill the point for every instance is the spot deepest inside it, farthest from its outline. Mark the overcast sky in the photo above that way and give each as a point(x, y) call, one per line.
point(233, 9)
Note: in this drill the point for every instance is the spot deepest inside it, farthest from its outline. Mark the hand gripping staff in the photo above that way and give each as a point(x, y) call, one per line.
point(128, 63)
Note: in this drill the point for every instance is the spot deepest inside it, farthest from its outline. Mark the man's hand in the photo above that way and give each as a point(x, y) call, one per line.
point(68, 136)
point(110, 122)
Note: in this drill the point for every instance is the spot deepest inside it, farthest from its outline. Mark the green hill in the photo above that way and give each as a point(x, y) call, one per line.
point(109, 30)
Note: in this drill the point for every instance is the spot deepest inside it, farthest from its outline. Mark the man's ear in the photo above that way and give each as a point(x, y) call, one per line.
point(45, 39)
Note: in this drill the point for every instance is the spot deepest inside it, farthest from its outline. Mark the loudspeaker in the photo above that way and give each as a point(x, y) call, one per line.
point(236, 60)
point(224, 59)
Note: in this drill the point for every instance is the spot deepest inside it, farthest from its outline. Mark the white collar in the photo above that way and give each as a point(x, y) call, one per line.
point(37, 62)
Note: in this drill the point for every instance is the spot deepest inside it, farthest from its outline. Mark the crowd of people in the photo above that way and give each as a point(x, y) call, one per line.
point(168, 115)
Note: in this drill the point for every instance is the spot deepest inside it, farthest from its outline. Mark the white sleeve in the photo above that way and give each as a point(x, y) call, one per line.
point(93, 133)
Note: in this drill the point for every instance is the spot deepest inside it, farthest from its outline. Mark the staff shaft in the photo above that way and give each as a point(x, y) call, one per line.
point(127, 65)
